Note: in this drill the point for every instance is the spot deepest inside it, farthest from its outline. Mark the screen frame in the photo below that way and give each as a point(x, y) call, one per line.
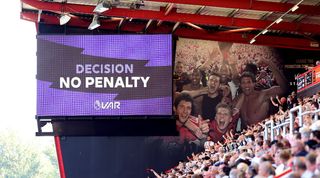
point(84, 117)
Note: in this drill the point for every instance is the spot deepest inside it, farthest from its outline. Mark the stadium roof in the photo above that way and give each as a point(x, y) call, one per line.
point(238, 21)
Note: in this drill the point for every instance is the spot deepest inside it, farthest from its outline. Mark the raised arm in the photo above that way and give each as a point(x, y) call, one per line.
point(278, 99)
point(273, 103)
point(280, 79)
point(201, 130)
point(155, 173)
point(196, 93)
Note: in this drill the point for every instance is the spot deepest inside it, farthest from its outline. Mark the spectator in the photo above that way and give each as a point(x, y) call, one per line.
point(299, 166)
point(195, 78)
point(266, 169)
point(235, 173)
point(317, 171)
point(236, 152)
point(310, 145)
point(311, 165)
point(315, 128)
point(255, 107)
point(181, 77)
point(284, 157)
point(223, 122)
point(189, 127)
point(209, 144)
point(305, 133)
point(208, 98)
point(297, 149)
point(290, 103)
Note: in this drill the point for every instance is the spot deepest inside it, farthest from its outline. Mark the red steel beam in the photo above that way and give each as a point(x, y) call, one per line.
point(213, 20)
point(173, 16)
point(266, 40)
point(250, 5)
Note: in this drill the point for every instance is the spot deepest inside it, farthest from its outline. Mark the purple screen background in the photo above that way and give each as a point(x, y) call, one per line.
point(157, 49)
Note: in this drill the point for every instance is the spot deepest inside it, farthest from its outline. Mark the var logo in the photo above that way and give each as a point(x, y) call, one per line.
point(98, 105)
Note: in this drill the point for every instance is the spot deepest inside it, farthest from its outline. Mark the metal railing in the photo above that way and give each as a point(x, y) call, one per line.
point(271, 128)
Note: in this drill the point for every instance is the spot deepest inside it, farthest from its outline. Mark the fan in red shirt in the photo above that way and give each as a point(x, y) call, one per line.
point(190, 128)
point(224, 121)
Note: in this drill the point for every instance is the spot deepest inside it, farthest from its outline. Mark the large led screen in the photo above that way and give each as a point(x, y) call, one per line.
point(104, 75)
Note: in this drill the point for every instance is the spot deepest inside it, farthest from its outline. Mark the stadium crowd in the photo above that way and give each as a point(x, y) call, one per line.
point(222, 105)
point(249, 154)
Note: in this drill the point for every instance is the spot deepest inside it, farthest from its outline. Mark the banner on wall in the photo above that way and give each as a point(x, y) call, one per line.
point(108, 75)
point(239, 79)
point(316, 74)
point(308, 79)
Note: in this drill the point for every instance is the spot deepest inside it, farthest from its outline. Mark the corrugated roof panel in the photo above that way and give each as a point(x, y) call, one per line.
point(305, 2)
point(153, 6)
point(290, 17)
point(85, 2)
point(271, 0)
point(57, 0)
point(150, 5)
point(286, 18)
point(311, 20)
point(121, 4)
point(250, 14)
point(188, 9)
point(216, 11)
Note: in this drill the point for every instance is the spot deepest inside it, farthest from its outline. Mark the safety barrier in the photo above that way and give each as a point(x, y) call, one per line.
point(274, 128)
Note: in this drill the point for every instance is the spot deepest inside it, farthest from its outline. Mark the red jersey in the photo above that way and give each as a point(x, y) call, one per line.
point(189, 133)
point(215, 134)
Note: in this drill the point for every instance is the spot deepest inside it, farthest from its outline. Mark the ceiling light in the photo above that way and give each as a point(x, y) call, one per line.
point(101, 7)
point(252, 41)
point(314, 44)
point(175, 26)
point(148, 24)
point(95, 23)
point(279, 20)
point(294, 8)
point(264, 31)
point(64, 18)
